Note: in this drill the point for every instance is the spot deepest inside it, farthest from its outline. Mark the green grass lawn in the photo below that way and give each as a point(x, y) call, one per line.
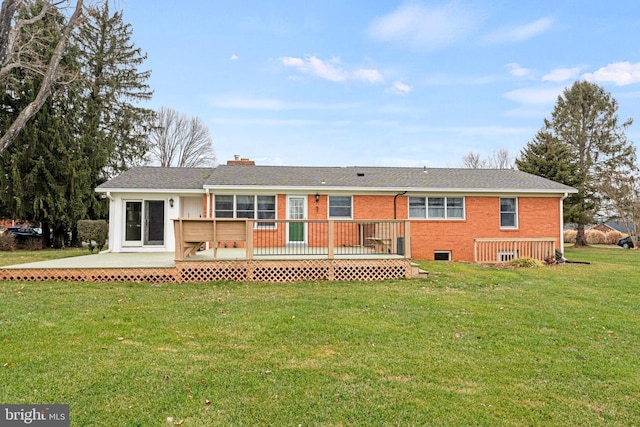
point(21, 256)
point(470, 345)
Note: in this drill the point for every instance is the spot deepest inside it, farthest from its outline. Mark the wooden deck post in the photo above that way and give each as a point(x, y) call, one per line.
point(330, 239)
point(249, 240)
point(407, 239)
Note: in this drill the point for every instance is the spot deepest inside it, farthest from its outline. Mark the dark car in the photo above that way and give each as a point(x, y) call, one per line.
point(24, 232)
point(626, 242)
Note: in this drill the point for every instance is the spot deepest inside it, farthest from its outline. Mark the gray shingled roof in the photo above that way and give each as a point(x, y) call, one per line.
point(381, 178)
point(159, 178)
point(316, 178)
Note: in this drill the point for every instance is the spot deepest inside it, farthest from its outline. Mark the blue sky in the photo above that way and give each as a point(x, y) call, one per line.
point(381, 82)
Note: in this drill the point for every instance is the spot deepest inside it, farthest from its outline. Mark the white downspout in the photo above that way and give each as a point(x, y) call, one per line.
point(111, 200)
point(208, 210)
point(562, 222)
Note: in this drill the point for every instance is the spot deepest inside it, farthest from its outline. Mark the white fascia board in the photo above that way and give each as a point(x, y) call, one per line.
point(149, 190)
point(390, 190)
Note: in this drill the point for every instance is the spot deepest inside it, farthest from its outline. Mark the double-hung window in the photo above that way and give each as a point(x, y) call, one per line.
point(340, 207)
point(436, 207)
point(224, 207)
point(266, 210)
point(508, 212)
point(246, 207)
point(417, 207)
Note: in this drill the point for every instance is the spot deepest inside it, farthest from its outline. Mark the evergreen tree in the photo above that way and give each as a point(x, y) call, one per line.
point(547, 157)
point(582, 142)
point(114, 129)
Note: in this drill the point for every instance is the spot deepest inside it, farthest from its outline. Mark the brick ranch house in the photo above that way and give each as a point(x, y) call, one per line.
point(448, 212)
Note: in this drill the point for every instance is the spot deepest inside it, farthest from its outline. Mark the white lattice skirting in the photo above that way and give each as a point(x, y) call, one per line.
point(239, 271)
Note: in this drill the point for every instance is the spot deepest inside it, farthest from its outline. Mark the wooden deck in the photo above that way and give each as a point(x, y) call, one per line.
point(230, 265)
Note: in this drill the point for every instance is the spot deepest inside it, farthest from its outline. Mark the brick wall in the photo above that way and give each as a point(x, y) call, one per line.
point(537, 217)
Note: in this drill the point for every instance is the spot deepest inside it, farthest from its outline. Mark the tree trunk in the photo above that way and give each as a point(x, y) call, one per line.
point(58, 237)
point(46, 235)
point(581, 239)
point(75, 239)
point(7, 12)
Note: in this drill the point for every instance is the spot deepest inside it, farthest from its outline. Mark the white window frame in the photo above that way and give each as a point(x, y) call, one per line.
point(266, 222)
point(259, 222)
point(446, 216)
point(514, 213)
point(340, 216)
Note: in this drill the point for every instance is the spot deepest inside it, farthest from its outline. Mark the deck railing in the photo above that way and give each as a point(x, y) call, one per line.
point(494, 251)
point(289, 238)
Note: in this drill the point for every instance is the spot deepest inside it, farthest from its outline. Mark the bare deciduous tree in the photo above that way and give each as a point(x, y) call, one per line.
point(177, 140)
point(10, 54)
point(621, 190)
point(472, 161)
point(500, 159)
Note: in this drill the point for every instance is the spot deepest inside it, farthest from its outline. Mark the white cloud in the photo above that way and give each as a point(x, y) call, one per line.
point(619, 73)
point(519, 33)
point(234, 57)
point(290, 61)
point(535, 95)
point(561, 74)
point(427, 27)
point(332, 70)
point(517, 71)
point(399, 88)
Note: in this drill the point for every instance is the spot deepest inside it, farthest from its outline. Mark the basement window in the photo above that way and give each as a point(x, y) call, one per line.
point(442, 255)
point(506, 256)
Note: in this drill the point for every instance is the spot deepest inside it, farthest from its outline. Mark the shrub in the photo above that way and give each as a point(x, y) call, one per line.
point(7, 242)
point(31, 244)
point(595, 237)
point(93, 231)
point(613, 236)
point(525, 262)
point(570, 236)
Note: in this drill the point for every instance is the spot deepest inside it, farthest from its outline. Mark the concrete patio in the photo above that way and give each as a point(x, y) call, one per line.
point(167, 259)
point(127, 260)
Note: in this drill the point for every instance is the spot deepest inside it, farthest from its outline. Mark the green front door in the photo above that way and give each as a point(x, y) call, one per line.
point(296, 211)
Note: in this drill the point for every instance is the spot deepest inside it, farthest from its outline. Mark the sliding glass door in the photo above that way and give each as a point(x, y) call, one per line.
point(144, 223)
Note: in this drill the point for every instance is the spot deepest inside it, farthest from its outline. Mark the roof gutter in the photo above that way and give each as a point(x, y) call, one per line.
point(395, 198)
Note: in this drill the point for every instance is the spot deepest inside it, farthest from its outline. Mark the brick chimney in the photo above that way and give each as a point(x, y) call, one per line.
point(237, 161)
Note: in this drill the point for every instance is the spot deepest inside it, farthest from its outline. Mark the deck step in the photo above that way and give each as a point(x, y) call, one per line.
point(417, 272)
